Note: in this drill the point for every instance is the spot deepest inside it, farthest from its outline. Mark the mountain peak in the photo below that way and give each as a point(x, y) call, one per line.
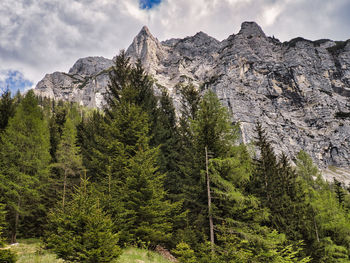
point(145, 32)
point(251, 29)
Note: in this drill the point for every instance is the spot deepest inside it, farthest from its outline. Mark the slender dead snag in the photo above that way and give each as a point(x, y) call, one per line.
point(211, 224)
point(64, 187)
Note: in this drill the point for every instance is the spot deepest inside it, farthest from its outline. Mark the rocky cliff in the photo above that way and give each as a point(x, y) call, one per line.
point(299, 90)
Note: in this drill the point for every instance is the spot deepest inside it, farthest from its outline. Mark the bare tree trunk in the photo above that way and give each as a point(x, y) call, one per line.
point(64, 187)
point(211, 224)
point(14, 231)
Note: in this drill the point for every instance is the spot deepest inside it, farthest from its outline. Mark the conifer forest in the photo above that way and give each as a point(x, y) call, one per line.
point(90, 183)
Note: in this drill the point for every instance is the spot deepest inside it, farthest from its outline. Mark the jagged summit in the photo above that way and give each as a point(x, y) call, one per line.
point(145, 32)
point(251, 29)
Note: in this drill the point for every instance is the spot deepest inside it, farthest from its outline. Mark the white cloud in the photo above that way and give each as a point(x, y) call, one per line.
point(42, 36)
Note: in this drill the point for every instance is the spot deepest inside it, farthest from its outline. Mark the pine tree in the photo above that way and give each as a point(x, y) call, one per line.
point(339, 191)
point(146, 213)
point(276, 183)
point(6, 255)
point(88, 132)
point(213, 136)
point(131, 84)
point(82, 232)
point(266, 167)
point(7, 109)
point(168, 138)
point(24, 165)
point(68, 155)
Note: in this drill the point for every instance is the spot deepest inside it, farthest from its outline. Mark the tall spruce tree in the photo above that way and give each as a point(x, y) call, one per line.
point(24, 166)
point(167, 137)
point(68, 156)
point(7, 109)
point(213, 136)
point(82, 232)
point(277, 185)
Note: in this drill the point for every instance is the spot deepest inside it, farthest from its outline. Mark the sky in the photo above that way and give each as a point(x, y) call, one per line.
point(43, 36)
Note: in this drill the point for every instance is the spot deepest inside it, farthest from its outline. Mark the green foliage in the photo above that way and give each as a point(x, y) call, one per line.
point(305, 168)
point(7, 256)
point(212, 127)
point(184, 253)
point(81, 231)
point(2, 223)
point(281, 191)
point(167, 137)
point(24, 165)
point(146, 214)
point(257, 244)
point(7, 109)
point(339, 191)
point(68, 155)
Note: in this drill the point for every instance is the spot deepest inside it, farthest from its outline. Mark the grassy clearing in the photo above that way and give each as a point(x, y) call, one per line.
point(135, 255)
point(30, 251)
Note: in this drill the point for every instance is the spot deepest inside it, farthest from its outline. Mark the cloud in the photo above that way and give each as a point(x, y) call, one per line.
point(42, 36)
point(13, 80)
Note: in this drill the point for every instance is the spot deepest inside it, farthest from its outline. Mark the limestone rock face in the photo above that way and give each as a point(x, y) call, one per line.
point(299, 90)
point(85, 82)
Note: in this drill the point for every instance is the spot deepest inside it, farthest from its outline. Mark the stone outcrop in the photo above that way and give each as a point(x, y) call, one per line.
point(299, 90)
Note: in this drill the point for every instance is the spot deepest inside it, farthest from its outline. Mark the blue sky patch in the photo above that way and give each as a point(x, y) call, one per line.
point(148, 4)
point(14, 81)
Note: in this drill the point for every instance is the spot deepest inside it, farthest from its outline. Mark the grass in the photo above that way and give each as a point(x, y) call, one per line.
point(31, 251)
point(136, 255)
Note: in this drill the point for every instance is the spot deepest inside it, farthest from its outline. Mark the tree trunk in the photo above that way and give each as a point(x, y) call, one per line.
point(14, 231)
point(64, 187)
point(211, 224)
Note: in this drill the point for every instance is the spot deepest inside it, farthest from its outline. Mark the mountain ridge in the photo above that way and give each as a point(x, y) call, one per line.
point(298, 89)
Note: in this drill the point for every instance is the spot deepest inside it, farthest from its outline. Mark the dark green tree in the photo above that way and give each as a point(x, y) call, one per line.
point(7, 109)
point(82, 232)
point(146, 215)
point(339, 191)
point(6, 255)
point(277, 185)
point(167, 137)
point(24, 166)
point(68, 155)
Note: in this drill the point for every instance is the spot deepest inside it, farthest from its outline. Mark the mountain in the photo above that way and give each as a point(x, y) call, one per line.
point(299, 90)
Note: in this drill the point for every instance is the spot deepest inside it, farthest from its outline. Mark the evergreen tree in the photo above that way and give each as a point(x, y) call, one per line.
point(266, 168)
point(339, 191)
point(67, 155)
point(56, 123)
point(88, 132)
point(6, 255)
point(132, 85)
point(167, 137)
point(7, 109)
point(281, 191)
point(24, 165)
point(305, 168)
point(212, 132)
point(82, 232)
point(146, 215)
